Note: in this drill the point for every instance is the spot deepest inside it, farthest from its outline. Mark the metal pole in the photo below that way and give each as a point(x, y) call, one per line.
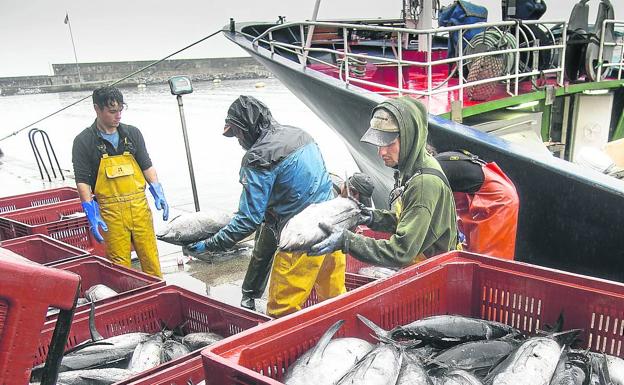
point(188, 153)
point(308, 43)
point(71, 35)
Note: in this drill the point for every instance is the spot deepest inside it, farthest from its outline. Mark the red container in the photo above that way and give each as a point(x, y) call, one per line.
point(43, 249)
point(521, 295)
point(97, 270)
point(144, 312)
point(26, 291)
point(36, 199)
point(49, 220)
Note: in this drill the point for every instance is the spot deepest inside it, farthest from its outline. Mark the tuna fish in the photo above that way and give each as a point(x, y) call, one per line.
point(570, 372)
point(192, 227)
point(445, 330)
point(379, 367)
point(99, 291)
point(460, 377)
point(476, 356)
point(412, 372)
point(147, 354)
point(302, 231)
point(328, 361)
point(199, 340)
point(173, 349)
point(533, 363)
point(93, 376)
point(376, 271)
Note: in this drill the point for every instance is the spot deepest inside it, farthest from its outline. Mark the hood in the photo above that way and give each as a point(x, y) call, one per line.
point(253, 118)
point(412, 118)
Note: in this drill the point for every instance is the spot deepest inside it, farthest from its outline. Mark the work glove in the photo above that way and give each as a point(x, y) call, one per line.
point(92, 209)
point(159, 199)
point(366, 216)
point(333, 242)
point(203, 246)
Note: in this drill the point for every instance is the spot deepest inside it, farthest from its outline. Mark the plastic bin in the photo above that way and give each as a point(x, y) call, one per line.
point(49, 220)
point(36, 199)
point(26, 291)
point(43, 249)
point(97, 270)
point(524, 296)
point(147, 312)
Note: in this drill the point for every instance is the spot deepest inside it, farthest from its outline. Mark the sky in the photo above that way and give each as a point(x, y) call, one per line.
point(33, 35)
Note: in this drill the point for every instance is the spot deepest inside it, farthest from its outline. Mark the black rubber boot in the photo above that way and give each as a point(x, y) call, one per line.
point(259, 268)
point(248, 303)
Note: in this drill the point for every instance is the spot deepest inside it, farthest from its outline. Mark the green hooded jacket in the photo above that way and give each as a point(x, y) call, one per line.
point(427, 223)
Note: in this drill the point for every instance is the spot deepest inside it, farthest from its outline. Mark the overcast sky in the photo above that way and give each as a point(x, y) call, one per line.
point(33, 35)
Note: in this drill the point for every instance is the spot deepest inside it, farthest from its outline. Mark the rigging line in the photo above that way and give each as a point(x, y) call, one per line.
point(113, 83)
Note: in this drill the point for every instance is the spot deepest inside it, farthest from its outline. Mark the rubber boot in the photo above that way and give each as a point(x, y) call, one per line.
point(248, 303)
point(259, 268)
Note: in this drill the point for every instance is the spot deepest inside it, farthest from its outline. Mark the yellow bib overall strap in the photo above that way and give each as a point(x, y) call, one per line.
point(120, 191)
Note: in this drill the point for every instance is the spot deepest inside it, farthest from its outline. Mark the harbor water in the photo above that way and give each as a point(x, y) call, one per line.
point(216, 159)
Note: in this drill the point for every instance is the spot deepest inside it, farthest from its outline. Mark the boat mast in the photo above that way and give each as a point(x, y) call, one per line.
point(418, 14)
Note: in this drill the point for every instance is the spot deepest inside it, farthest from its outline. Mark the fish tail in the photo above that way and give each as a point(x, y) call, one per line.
point(382, 335)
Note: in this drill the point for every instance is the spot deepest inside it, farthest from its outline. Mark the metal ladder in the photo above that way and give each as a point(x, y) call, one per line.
point(48, 147)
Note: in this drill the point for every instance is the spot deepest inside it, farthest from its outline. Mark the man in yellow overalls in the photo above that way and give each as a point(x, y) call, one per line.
point(111, 162)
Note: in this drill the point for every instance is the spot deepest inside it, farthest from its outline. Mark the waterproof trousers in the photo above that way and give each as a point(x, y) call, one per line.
point(294, 275)
point(120, 191)
point(257, 275)
point(489, 217)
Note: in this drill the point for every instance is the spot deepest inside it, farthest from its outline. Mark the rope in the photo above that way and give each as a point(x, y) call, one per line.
point(113, 83)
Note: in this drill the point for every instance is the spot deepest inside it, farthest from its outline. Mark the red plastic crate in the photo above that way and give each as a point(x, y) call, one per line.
point(521, 295)
point(47, 220)
point(97, 270)
point(26, 291)
point(36, 199)
point(144, 312)
point(43, 249)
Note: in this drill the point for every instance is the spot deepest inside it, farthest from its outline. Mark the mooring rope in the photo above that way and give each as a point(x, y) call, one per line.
point(113, 83)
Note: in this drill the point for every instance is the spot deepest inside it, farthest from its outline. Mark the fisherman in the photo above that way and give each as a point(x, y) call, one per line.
point(486, 202)
point(359, 186)
point(423, 223)
point(282, 172)
point(111, 166)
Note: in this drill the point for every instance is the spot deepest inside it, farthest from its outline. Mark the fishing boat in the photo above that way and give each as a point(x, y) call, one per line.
point(542, 98)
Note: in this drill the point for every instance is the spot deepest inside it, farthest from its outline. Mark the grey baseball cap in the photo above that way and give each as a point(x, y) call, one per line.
point(384, 128)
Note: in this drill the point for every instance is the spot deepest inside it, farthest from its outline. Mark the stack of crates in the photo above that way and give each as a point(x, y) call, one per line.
point(63, 221)
point(25, 294)
point(524, 296)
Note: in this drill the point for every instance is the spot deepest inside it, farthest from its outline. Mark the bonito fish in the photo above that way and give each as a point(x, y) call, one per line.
point(192, 227)
point(302, 231)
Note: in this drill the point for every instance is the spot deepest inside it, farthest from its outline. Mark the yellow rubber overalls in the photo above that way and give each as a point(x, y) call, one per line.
point(120, 191)
point(295, 274)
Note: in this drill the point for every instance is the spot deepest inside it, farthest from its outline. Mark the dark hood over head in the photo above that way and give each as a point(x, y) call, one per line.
point(413, 127)
point(250, 115)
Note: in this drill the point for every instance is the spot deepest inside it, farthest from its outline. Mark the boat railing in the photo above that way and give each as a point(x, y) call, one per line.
point(515, 41)
point(618, 43)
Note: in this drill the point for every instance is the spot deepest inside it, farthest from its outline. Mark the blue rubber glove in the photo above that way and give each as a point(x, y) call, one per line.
point(92, 209)
point(366, 216)
point(333, 242)
point(203, 246)
point(159, 199)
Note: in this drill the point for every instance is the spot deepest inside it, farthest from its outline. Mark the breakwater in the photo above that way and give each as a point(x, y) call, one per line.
point(65, 76)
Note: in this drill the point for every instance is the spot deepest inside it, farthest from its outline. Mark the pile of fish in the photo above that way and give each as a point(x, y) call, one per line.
point(303, 231)
point(452, 350)
point(193, 227)
point(93, 293)
point(106, 361)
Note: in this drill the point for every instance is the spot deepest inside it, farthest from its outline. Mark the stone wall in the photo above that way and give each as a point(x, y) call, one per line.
point(65, 76)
